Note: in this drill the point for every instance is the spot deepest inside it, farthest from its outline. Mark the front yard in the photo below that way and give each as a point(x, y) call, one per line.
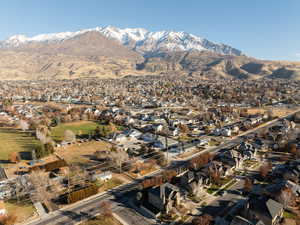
point(23, 210)
point(102, 220)
point(249, 163)
point(222, 185)
point(107, 185)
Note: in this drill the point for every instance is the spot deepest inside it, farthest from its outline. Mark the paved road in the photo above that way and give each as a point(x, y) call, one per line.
point(90, 207)
point(219, 206)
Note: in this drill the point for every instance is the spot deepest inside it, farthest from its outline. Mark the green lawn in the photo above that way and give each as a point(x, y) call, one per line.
point(216, 187)
point(79, 128)
point(194, 198)
point(229, 184)
point(289, 215)
point(13, 140)
point(249, 163)
point(213, 143)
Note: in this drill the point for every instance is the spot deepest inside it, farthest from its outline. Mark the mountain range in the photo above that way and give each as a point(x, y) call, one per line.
point(111, 52)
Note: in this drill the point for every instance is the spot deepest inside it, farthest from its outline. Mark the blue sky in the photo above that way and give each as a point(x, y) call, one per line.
point(267, 29)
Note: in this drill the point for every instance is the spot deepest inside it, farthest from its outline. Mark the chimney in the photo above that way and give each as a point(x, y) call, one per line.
point(162, 192)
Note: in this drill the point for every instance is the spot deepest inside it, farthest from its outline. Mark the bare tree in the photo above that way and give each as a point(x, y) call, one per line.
point(248, 184)
point(215, 175)
point(21, 188)
point(293, 150)
point(183, 128)
point(77, 176)
point(42, 184)
point(43, 134)
point(9, 219)
point(112, 127)
point(69, 136)
point(286, 197)
point(202, 220)
point(14, 157)
point(265, 169)
point(84, 117)
point(106, 209)
point(24, 125)
point(119, 156)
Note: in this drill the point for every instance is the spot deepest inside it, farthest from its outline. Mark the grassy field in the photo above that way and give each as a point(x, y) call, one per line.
point(102, 220)
point(22, 210)
point(79, 128)
point(13, 140)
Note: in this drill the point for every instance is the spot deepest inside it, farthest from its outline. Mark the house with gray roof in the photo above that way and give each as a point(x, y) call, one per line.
point(263, 209)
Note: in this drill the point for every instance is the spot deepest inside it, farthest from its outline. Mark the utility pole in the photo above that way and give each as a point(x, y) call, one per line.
point(182, 146)
point(167, 147)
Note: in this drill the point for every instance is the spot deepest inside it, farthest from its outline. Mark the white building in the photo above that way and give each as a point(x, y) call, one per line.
point(105, 176)
point(2, 209)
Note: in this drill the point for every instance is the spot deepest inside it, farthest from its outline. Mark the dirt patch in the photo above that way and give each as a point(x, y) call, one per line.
point(276, 112)
point(81, 152)
point(102, 220)
point(23, 210)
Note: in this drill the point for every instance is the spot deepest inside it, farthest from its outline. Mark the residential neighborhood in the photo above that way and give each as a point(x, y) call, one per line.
point(130, 112)
point(166, 151)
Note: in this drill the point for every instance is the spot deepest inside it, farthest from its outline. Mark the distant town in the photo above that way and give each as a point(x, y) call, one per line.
point(145, 150)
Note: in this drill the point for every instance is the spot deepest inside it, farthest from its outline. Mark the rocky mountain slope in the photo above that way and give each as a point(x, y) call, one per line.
point(208, 64)
point(86, 55)
point(114, 52)
point(140, 40)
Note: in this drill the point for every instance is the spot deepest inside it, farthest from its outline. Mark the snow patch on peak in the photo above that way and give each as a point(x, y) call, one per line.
point(125, 35)
point(17, 39)
point(138, 39)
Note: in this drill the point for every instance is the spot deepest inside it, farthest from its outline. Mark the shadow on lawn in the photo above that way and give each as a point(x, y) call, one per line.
point(25, 140)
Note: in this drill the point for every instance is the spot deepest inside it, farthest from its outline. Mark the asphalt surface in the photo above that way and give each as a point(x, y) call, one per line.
point(88, 208)
point(219, 206)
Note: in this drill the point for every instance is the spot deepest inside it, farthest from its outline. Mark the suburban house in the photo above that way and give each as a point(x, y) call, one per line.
point(134, 134)
point(148, 137)
point(120, 138)
point(105, 176)
point(262, 210)
point(164, 197)
point(238, 220)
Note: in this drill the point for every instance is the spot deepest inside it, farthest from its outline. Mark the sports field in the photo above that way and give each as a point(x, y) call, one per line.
point(78, 128)
point(14, 140)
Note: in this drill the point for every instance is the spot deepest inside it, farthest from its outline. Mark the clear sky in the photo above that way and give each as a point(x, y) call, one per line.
point(267, 29)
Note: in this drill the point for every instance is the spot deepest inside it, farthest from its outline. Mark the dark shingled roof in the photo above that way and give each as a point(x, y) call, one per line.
point(274, 207)
point(238, 220)
point(3, 175)
point(269, 207)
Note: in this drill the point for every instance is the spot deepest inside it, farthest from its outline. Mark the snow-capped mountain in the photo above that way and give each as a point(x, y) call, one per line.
point(142, 41)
